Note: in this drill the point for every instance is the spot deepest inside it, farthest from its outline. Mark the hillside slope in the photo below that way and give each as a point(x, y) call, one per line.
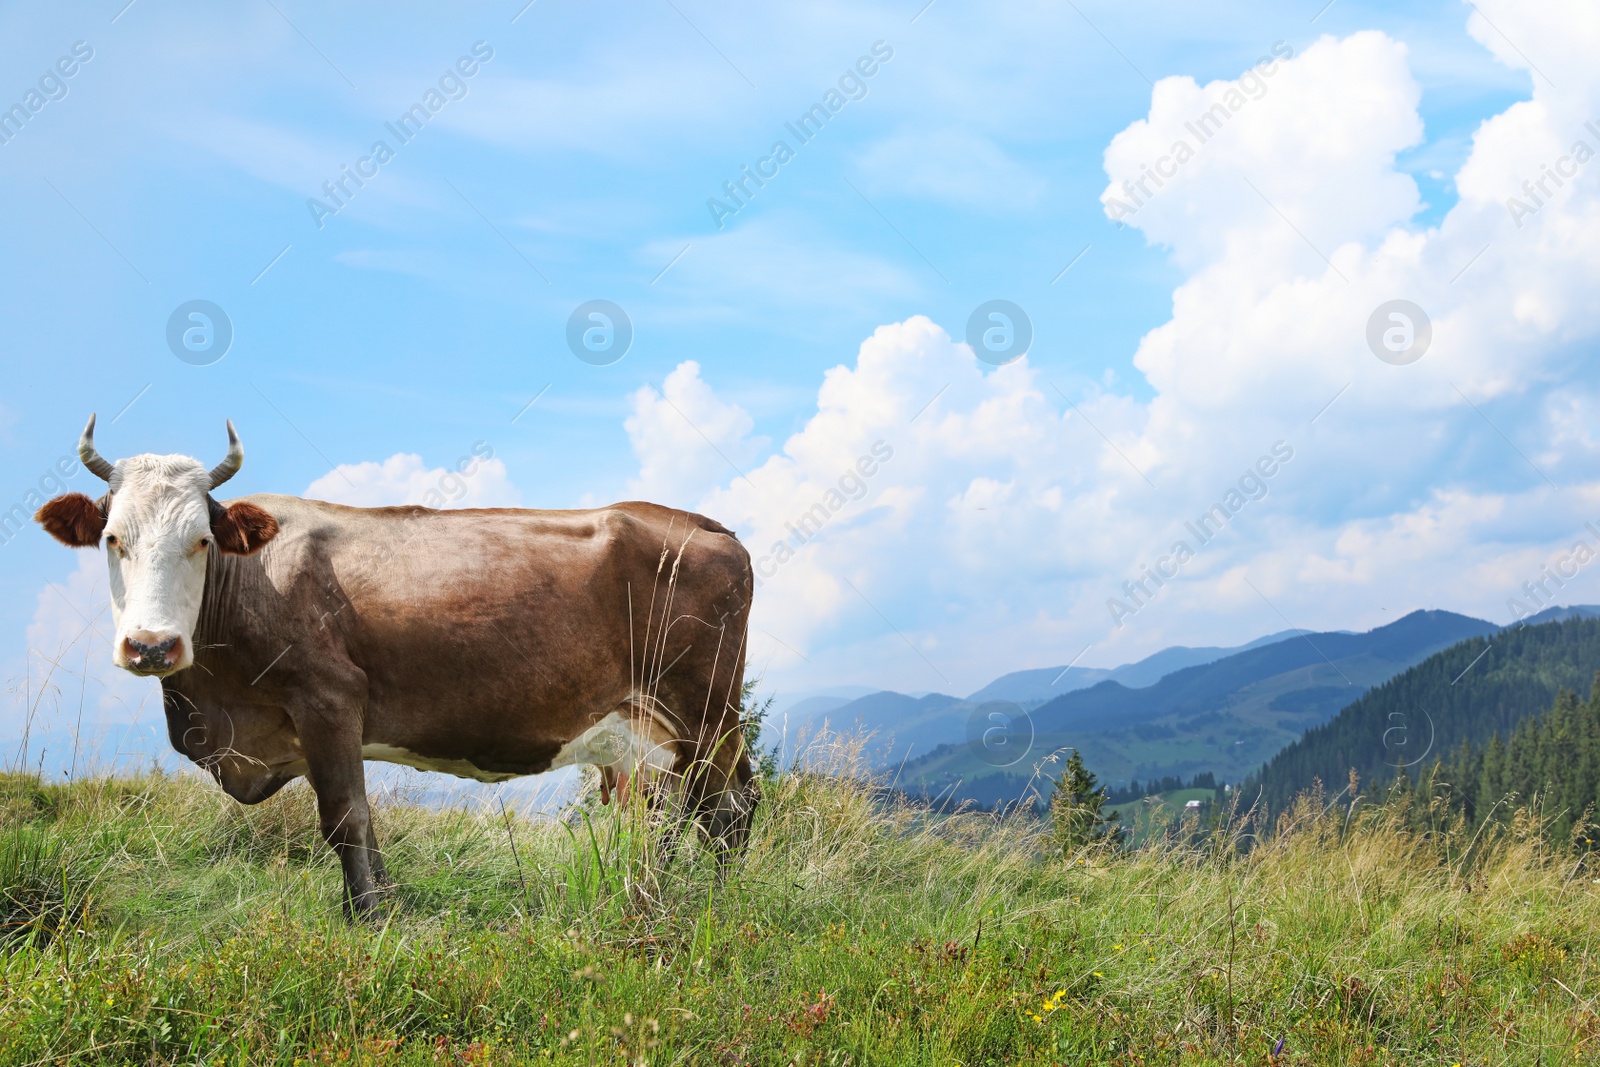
point(1554, 756)
point(1464, 695)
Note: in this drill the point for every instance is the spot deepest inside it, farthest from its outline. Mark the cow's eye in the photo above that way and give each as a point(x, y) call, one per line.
point(205, 543)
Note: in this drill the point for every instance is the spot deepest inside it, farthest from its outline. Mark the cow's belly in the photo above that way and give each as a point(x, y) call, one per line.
point(622, 742)
point(459, 767)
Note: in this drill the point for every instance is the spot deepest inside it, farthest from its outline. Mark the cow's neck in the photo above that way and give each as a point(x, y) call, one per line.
point(228, 580)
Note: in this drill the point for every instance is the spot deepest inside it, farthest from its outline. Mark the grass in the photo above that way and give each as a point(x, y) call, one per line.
point(152, 920)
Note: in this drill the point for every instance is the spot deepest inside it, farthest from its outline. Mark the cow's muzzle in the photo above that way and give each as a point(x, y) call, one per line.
point(151, 653)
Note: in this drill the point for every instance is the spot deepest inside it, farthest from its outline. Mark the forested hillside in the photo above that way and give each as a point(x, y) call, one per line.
point(1555, 756)
point(1464, 695)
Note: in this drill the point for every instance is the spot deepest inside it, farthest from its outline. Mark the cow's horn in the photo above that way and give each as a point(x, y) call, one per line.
point(232, 462)
point(92, 460)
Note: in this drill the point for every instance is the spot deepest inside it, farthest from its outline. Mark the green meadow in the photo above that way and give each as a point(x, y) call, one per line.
point(151, 920)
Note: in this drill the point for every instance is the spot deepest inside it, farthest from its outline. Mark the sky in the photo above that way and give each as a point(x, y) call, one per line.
point(1322, 272)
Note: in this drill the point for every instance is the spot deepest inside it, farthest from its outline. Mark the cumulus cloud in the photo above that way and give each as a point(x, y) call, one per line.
point(475, 480)
point(923, 474)
point(1216, 165)
point(1016, 509)
point(687, 439)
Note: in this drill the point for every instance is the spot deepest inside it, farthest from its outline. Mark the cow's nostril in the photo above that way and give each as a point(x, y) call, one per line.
point(149, 651)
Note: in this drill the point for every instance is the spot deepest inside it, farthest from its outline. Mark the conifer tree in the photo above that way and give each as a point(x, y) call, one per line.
point(1076, 817)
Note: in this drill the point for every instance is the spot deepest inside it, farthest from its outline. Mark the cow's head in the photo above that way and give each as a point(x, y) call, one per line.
point(160, 525)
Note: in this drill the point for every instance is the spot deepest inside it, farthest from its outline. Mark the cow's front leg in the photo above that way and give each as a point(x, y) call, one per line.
point(339, 780)
point(380, 873)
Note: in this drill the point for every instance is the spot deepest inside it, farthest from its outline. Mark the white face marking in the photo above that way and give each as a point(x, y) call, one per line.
point(459, 767)
point(157, 535)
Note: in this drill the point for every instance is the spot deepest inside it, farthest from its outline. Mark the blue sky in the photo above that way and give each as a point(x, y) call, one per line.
point(577, 163)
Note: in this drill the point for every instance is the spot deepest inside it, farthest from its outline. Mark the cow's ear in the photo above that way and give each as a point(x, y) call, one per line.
point(73, 519)
point(241, 528)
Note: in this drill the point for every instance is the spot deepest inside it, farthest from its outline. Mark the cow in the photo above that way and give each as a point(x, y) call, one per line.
point(294, 637)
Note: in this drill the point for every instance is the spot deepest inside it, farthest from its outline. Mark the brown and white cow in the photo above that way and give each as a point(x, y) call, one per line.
point(295, 637)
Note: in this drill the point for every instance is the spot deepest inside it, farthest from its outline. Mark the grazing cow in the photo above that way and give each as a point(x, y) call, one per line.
point(294, 637)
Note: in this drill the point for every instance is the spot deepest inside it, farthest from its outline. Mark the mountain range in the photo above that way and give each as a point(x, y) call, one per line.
point(1031, 688)
point(1177, 712)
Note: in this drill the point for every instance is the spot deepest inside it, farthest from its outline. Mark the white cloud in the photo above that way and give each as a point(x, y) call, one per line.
point(1323, 158)
point(686, 439)
point(917, 459)
point(475, 480)
point(1012, 511)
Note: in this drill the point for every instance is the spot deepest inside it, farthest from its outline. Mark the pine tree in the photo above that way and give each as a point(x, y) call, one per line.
point(1491, 776)
point(753, 719)
point(1075, 809)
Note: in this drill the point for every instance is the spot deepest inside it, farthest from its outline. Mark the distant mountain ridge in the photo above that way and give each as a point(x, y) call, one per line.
point(1195, 690)
point(1561, 614)
point(1033, 687)
point(1226, 717)
point(916, 724)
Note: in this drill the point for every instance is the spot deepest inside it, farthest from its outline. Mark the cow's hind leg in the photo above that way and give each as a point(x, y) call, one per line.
point(725, 820)
point(723, 793)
